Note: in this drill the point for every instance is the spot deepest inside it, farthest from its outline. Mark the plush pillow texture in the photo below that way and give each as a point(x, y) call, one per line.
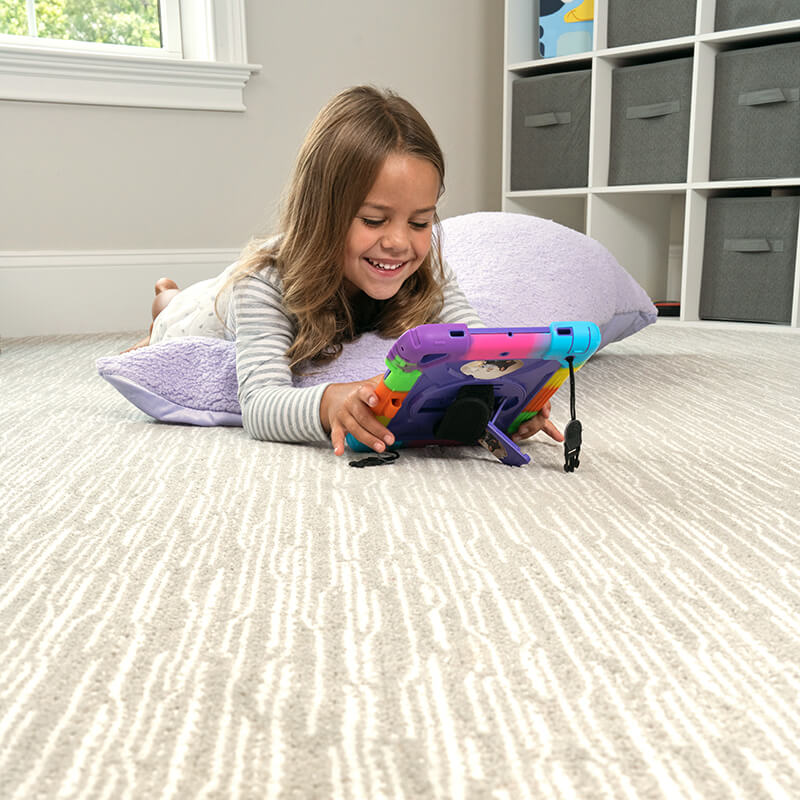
point(515, 269)
point(192, 380)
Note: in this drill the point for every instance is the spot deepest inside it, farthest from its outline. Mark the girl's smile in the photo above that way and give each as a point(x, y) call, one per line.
point(391, 234)
point(385, 265)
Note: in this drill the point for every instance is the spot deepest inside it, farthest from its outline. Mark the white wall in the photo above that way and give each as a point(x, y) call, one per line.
point(97, 202)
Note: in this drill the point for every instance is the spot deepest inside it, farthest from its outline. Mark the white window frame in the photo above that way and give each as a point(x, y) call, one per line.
point(203, 64)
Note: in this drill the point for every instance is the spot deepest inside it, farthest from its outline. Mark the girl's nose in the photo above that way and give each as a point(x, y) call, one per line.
point(395, 237)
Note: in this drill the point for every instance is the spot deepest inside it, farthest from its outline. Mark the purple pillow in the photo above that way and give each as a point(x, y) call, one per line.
point(515, 269)
point(192, 380)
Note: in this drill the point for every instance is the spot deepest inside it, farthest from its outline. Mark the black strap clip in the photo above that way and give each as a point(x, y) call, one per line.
point(376, 459)
point(574, 429)
point(572, 445)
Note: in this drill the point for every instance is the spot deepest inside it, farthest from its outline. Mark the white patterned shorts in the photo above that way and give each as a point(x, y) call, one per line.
point(192, 312)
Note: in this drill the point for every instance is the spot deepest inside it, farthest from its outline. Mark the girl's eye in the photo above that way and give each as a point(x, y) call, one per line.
point(376, 223)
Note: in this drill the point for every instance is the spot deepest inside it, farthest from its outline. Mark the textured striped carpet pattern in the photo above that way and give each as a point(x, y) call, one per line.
point(186, 613)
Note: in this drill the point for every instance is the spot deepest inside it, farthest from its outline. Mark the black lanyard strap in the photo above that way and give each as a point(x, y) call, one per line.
point(574, 429)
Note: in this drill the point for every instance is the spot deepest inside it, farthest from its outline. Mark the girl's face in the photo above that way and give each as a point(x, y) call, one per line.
point(391, 234)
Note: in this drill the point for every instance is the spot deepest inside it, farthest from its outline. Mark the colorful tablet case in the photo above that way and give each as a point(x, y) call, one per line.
point(450, 384)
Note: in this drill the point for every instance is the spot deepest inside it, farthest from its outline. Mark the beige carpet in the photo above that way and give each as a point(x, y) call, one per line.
point(186, 613)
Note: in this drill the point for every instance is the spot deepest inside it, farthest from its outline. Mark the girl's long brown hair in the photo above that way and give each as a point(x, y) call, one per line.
point(336, 167)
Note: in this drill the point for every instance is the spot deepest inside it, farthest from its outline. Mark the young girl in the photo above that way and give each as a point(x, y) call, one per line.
point(358, 251)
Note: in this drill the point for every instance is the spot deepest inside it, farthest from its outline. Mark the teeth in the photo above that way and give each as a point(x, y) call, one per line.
point(389, 267)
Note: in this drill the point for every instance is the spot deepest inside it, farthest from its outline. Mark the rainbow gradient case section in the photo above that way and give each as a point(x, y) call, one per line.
point(506, 373)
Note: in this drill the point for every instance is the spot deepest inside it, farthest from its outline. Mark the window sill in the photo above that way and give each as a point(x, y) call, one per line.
point(41, 74)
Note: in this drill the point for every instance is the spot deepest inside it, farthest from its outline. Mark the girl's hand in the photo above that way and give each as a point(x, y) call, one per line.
point(347, 408)
point(541, 422)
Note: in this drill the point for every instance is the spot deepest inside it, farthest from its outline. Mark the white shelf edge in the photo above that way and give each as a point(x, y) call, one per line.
point(751, 183)
point(659, 188)
point(568, 192)
point(643, 188)
point(734, 35)
point(556, 61)
point(659, 46)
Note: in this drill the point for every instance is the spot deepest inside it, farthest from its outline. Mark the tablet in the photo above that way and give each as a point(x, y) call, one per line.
point(454, 385)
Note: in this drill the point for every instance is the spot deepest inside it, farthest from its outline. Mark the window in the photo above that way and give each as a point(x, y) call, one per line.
point(172, 53)
point(128, 23)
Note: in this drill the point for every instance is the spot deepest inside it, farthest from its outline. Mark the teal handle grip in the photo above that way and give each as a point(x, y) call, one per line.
point(653, 110)
point(355, 445)
point(578, 339)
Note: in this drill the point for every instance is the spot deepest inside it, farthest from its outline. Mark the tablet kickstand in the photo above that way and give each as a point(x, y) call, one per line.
point(499, 445)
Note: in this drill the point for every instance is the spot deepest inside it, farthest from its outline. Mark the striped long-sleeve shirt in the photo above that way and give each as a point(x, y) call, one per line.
point(272, 408)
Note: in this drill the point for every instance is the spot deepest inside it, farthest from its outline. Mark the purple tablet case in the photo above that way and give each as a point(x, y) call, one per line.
point(450, 384)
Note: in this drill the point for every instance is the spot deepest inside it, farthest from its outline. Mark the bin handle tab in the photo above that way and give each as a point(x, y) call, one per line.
point(764, 97)
point(653, 110)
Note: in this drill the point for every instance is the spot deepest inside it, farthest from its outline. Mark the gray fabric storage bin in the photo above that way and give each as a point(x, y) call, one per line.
point(550, 131)
point(749, 259)
point(756, 124)
point(744, 13)
point(650, 105)
point(634, 21)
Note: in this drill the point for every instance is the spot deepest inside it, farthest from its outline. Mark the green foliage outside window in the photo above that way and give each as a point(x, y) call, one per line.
point(131, 22)
point(13, 17)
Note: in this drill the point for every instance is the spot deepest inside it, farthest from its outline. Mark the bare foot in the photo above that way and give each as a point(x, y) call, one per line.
point(165, 290)
point(162, 284)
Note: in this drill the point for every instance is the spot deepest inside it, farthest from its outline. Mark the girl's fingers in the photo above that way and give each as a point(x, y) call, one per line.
point(337, 439)
point(365, 437)
point(338, 433)
point(539, 423)
point(366, 394)
point(553, 432)
point(367, 419)
point(363, 422)
point(355, 417)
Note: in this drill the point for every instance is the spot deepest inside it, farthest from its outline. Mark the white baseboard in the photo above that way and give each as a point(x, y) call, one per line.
point(55, 292)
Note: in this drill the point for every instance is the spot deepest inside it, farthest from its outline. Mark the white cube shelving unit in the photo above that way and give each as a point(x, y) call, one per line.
point(656, 231)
